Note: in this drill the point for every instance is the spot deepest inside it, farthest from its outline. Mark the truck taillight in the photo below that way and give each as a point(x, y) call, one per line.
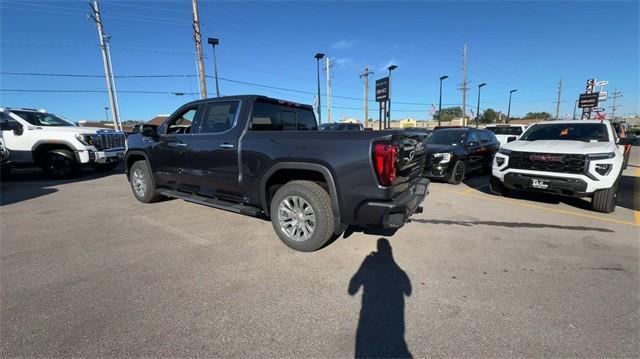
point(384, 159)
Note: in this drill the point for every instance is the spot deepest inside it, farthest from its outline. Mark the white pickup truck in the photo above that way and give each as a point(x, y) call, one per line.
point(38, 138)
point(581, 158)
point(506, 133)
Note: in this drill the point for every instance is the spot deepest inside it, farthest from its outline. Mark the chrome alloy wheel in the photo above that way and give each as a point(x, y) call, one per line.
point(296, 218)
point(138, 182)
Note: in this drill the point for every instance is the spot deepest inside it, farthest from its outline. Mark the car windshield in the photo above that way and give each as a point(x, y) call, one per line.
point(42, 118)
point(587, 132)
point(446, 137)
point(506, 130)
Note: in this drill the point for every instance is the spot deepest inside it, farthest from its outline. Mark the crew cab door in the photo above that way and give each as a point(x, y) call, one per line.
point(214, 151)
point(170, 157)
point(16, 139)
point(490, 145)
point(475, 152)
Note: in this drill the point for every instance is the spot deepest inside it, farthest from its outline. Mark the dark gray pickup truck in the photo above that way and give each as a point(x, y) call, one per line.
point(265, 157)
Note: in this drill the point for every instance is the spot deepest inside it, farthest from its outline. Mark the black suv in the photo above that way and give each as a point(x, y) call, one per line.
point(454, 152)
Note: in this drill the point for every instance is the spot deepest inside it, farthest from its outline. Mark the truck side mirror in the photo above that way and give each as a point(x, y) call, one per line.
point(149, 131)
point(511, 139)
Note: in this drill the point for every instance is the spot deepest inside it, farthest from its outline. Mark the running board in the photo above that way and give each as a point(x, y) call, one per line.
point(214, 202)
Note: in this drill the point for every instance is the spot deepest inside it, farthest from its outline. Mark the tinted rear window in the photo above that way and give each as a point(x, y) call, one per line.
point(269, 116)
point(514, 131)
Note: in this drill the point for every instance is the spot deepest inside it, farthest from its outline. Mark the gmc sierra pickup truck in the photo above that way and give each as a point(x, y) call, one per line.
point(264, 157)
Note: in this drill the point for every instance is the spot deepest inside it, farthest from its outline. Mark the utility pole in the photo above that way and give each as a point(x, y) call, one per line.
point(365, 74)
point(464, 87)
point(108, 70)
point(328, 66)
point(558, 102)
point(198, 40)
point(614, 95)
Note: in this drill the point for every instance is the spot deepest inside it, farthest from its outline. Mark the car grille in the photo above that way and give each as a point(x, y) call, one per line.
point(548, 162)
point(108, 141)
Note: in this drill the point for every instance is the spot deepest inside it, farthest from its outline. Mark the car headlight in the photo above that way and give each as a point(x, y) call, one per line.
point(603, 169)
point(500, 161)
point(505, 152)
point(444, 157)
point(86, 140)
point(601, 156)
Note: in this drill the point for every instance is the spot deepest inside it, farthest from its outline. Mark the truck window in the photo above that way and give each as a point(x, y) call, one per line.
point(280, 117)
point(219, 117)
point(181, 123)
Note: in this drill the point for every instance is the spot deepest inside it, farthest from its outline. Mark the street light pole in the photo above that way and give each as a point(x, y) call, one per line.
point(509, 108)
point(440, 101)
point(574, 109)
point(390, 68)
point(213, 42)
point(478, 108)
point(319, 56)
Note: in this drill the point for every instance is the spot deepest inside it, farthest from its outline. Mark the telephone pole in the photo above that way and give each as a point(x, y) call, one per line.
point(558, 102)
point(614, 95)
point(108, 70)
point(328, 66)
point(198, 40)
point(464, 87)
point(365, 74)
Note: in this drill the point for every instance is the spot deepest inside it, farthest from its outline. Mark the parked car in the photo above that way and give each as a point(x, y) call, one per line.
point(454, 152)
point(341, 127)
point(581, 158)
point(265, 157)
point(42, 139)
point(507, 133)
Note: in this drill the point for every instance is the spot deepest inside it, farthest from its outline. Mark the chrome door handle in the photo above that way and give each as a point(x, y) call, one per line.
point(226, 145)
point(177, 144)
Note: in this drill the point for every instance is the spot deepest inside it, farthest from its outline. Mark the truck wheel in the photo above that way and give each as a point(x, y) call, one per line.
point(604, 200)
point(60, 163)
point(496, 187)
point(142, 185)
point(458, 172)
point(105, 167)
point(301, 215)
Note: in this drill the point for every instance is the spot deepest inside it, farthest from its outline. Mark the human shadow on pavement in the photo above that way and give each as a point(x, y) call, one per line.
point(627, 194)
point(510, 224)
point(381, 326)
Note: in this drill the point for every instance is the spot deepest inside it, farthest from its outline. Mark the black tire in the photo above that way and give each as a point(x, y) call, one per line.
point(145, 189)
point(60, 163)
point(318, 200)
point(498, 188)
point(105, 167)
point(458, 173)
point(604, 200)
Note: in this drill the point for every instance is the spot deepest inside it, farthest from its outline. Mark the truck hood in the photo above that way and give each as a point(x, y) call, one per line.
point(74, 130)
point(560, 146)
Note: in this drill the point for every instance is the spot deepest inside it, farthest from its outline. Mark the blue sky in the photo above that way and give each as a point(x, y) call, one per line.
point(528, 46)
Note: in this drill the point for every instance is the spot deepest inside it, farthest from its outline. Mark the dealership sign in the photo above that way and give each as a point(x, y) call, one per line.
point(588, 100)
point(382, 89)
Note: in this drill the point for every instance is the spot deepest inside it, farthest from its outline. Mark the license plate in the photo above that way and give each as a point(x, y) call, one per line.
point(539, 183)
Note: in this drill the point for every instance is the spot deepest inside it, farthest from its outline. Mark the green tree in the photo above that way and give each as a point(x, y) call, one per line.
point(449, 113)
point(538, 115)
point(489, 116)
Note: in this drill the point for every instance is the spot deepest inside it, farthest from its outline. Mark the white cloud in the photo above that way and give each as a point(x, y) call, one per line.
point(343, 44)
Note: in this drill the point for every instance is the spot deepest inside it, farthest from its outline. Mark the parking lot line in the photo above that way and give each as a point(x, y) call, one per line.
point(571, 213)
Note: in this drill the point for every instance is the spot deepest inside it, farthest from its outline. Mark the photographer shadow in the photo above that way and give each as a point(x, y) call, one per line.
point(381, 326)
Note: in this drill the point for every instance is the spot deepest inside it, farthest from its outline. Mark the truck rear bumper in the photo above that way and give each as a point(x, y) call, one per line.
point(395, 213)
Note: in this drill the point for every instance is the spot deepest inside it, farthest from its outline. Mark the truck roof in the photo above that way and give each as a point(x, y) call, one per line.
point(250, 98)
point(570, 121)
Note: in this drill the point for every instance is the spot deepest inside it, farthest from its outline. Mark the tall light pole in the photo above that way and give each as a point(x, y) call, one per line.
point(509, 108)
point(478, 108)
point(319, 56)
point(106, 113)
point(213, 42)
point(575, 105)
point(390, 68)
point(440, 101)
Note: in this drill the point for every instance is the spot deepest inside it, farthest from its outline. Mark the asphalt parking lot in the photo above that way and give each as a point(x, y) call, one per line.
point(86, 270)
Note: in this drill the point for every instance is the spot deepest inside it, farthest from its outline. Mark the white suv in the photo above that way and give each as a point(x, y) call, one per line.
point(581, 158)
point(37, 138)
point(507, 133)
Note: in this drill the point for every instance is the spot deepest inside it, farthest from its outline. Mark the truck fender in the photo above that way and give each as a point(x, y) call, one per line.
point(328, 177)
point(71, 147)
